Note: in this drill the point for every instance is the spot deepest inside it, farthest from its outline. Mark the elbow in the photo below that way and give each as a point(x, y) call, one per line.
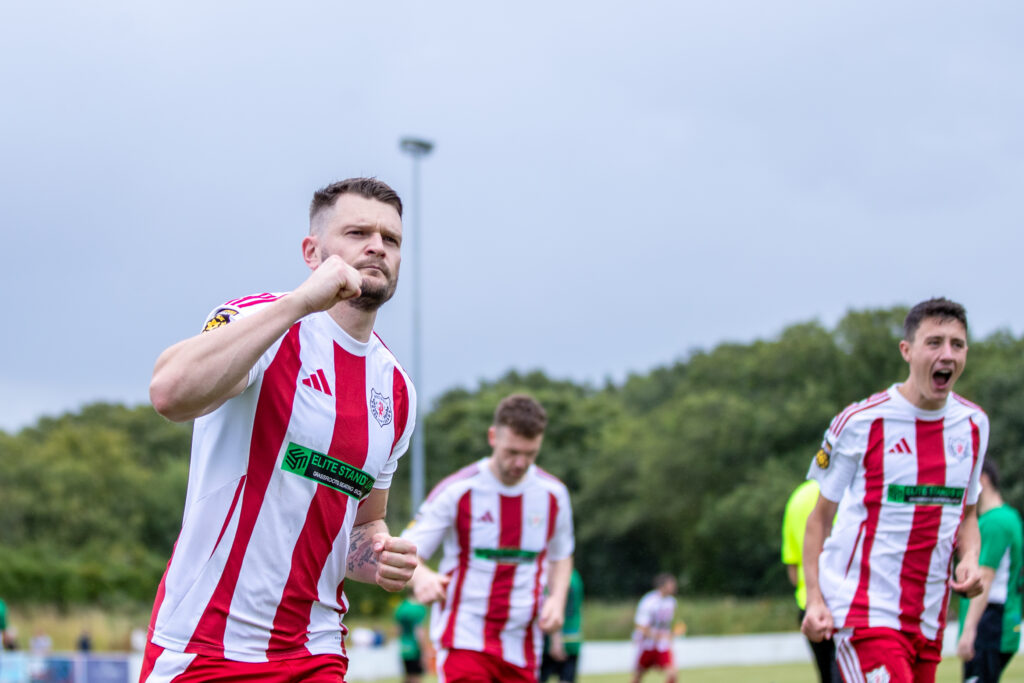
point(166, 400)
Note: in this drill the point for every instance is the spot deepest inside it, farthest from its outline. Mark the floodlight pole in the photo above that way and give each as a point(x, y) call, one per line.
point(417, 148)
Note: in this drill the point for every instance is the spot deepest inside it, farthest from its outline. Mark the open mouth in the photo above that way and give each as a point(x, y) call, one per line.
point(942, 378)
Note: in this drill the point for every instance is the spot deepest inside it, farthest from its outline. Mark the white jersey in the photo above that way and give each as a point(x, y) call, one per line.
point(655, 612)
point(497, 542)
point(902, 476)
point(276, 477)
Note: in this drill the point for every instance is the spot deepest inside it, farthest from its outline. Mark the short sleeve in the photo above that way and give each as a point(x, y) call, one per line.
point(563, 541)
point(838, 459)
point(433, 520)
point(995, 539)
point(236, 309)
point(979, 425)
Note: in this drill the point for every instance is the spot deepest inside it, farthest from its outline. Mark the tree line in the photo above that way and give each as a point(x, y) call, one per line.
point(685, 468)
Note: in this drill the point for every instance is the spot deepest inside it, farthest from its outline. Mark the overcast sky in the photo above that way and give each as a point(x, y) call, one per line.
point(613, 184)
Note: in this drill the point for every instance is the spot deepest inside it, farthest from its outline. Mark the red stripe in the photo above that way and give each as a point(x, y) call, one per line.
point(315, 382)
point(327, 511)
point(924, 532)
point(865, 406)
point(231, 512)
point(273, 411)
point(400, 391)
point(465, 473)
point(463, 521)
point(529, 649)
point(324, 382)
point(874, 482)
point(252, 300)
point(500, 600)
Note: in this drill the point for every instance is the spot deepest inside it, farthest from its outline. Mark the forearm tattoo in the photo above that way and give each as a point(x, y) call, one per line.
point(360, 551)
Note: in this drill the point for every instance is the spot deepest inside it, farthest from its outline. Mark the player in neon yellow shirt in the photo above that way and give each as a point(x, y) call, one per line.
point(794, 521)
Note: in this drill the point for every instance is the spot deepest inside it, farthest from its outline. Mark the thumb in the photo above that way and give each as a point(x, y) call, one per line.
point(379, 539)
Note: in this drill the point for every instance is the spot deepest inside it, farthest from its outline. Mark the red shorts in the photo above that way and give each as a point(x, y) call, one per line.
point(654, 659)
point(888, 654)
point(467, 666)
point(162, 666)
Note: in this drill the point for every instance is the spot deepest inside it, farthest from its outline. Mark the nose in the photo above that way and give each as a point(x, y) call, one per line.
point(375, 243)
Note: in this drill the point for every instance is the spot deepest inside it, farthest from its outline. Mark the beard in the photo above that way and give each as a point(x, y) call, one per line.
point(371, 294)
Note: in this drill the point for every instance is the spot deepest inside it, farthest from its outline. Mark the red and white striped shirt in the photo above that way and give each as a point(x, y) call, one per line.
point(276, 476)
point(656, 613)
point(902, 476)
point(497, 542)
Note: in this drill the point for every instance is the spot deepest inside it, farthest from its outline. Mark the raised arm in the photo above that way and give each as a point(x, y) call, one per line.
point(195, 376)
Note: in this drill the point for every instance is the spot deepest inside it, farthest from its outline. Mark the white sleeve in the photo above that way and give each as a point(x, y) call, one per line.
point(433, 520)
point(227, 312)
point(563, 541)
point(974, 487)
point(838, 459)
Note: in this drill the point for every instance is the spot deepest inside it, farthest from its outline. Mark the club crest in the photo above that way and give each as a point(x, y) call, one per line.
point(958, 447)
point(380, 406)
point(879, 675)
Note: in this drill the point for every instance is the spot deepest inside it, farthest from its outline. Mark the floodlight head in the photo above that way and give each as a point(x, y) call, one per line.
point(416, 147)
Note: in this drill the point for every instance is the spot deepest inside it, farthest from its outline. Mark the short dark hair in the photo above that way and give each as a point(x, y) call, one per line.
point(522, 414)
point(989, 469)
point(940, 307)
point(371, 188)
point(663, 578)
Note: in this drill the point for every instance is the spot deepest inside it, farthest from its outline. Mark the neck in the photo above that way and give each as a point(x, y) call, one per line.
point(989, 500)
point(355, 321)
point(910, 392)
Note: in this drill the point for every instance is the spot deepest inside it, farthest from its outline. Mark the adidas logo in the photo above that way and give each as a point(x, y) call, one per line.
point(318, 381)
point(901, 447)
point(486, 517)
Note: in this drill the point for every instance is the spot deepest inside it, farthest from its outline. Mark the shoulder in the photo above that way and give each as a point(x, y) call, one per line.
point(238, 308)
point(549, 481)
point(383, 353)
point(457, 481)
point(961, 403)
point(856, 414)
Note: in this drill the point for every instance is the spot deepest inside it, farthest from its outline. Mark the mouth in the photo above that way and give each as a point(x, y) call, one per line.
point(942, 379)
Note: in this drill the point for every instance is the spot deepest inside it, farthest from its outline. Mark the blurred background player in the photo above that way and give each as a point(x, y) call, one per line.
point(990, 622)
point(794, 523)
point(905, 465)
point(653, 630)
point(413, 643)
point(562, 648)
point(506, 529)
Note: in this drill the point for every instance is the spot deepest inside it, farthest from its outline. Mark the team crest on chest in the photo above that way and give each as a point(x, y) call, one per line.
point(380, 406)
point(958, 447)
point(879, 675)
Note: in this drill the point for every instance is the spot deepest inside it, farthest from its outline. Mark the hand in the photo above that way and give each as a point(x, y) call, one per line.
point(552, 616)
point(967, 579)
point(965, 646)
point(331, 282)
point(817, 624)
point(428, 586)
point(396, 561)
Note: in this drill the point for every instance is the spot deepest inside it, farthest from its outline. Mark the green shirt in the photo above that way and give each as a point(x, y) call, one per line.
point(409, 615)
point(572, 629)
point(1002, 540)
point(794, 522)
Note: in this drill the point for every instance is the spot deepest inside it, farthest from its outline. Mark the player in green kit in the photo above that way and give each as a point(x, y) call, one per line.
point(562, 648)
point(413, 643)
point(990, 622)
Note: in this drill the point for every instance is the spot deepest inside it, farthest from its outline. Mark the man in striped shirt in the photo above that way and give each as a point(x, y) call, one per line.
point(901, 469)
point(301, 414)
point(506, 528)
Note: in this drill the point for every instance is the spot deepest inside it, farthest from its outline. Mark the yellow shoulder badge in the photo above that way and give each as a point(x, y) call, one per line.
point(822, 459)
point(221, 317)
